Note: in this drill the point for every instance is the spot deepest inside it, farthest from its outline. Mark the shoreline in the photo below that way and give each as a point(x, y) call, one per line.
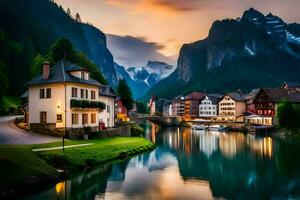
point(54, 160)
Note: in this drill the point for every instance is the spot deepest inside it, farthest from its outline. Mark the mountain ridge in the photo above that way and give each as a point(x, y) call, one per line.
point(242, 53)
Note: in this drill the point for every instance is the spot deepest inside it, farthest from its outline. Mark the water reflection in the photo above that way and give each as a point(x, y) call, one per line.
point(194, 165)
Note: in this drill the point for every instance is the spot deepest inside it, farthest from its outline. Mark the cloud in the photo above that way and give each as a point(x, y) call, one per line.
point(171, 5)
point(135, 51)
point(178, 5)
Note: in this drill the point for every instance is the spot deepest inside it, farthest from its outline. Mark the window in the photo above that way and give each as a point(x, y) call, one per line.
point(84, 118)
point(74, 118)
point(58, 118)
point(93, 118)
point(74, 92)
point(48, 93)
point(82, 93)
point(108, 108)
point(82, 75)
point(42, 93)
point(86, 94)
point(43, 117)
point(93, 94)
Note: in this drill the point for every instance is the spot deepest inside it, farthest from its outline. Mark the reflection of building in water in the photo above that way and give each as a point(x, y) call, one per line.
point(208, 143)
point(261, 146)
point(186, 139)
point(231, 144)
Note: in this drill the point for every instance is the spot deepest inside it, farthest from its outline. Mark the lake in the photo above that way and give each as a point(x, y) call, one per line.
point(189, 164)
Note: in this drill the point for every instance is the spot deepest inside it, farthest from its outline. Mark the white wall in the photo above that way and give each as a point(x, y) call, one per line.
point(56, 104)
point(207, 108)
point(105, 116)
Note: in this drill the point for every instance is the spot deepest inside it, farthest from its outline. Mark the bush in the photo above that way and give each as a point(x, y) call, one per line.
point(136, 130)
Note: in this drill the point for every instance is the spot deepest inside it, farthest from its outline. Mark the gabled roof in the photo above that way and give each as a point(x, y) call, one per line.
point(59, 73)
point(106, 90)
point(215, 98)
point(278, 95)
point(291, 84)
point(235, 96)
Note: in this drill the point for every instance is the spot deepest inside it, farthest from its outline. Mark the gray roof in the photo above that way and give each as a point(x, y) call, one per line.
point(59, 73)
point(278, 95)
point(236, 96)
point(106, 90)
point(215, 98)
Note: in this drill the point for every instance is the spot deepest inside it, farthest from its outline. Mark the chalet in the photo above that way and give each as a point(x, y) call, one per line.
point(231, 106)
point(209, 105)
point(191, 104)
point(267, 101)
point(63, 97)
point(107, 96)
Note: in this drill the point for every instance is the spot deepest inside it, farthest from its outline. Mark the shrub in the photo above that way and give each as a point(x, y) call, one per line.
point(288, 115)
point(87, 104)
point(136, 130)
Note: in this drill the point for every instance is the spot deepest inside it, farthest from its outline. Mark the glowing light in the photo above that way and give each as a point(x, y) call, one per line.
point(60, 187)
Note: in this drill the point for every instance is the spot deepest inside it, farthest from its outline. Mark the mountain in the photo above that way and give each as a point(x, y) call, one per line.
point(249, 52)
point(29, 28)
point(141, 79)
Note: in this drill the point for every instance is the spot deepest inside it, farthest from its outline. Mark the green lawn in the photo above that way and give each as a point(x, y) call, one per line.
point(18, 162)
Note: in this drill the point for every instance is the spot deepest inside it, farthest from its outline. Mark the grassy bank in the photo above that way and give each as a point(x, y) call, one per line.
point(20, 167)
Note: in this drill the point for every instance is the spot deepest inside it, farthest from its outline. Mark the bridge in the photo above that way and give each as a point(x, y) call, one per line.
point(167, 121)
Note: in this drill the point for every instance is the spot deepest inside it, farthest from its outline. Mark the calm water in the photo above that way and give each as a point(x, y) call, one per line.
point(194, 165)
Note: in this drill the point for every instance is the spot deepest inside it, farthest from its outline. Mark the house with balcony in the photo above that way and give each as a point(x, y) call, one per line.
point(231, 106)
point(208, 107)
point(107, 95)
point(63, 97)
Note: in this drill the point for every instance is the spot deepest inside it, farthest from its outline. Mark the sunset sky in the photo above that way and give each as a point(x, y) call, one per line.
point(166, 24)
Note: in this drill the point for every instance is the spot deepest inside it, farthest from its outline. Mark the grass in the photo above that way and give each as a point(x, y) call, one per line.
point(20, 166)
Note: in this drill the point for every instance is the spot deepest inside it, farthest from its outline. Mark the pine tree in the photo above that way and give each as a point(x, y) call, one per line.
point(77, 18)
point(125, 94)
point(69, 12)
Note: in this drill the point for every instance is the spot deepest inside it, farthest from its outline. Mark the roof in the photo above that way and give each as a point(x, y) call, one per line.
point(25, 95)
point(106, 90)
point(235, 96)
point(215, 98)
point(59, 73)
point(291, 84)
point(195, 96)
point(278, 95)
point(251, 96)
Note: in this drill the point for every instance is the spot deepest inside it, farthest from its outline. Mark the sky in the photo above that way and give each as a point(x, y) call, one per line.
point(165, 25)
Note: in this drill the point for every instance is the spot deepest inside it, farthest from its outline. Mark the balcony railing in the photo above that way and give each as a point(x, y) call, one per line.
point(84, 104)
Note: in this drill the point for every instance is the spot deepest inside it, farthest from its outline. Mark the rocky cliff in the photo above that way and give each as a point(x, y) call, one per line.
point(252, 51)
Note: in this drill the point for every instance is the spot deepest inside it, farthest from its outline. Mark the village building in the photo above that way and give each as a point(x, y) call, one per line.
point(208, 107)
point(120, 110)
point(267, 101)
point(151, 105)
point(191, 105)
point(177, 106)
point(107, 96)
point(63, 97)
point(167, 110)
point(249, 98)
point(232, 106)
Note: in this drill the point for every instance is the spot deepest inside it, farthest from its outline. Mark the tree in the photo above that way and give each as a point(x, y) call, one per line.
point(288, 115)
point(69, 12)
point(62, 49)
point(77, 18)
point(141, 107)
point(36, 67)
point(125, 94)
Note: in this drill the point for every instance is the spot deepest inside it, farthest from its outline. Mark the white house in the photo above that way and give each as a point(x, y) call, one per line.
point(231, 106)
point(209, 106)
point(107, 96)
point(64, 96)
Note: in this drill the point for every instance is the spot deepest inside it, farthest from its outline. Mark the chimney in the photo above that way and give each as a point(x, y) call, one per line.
point(46, 70)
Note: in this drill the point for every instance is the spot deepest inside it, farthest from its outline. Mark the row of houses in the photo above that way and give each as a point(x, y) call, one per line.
point(65, 96)
point(257, 107)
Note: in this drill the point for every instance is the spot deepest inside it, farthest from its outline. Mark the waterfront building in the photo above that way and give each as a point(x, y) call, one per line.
point(120, 110)
point(191, 104)
point(107, 96)
point(64, 96)
point(231, 106)
point(209, 105)
point(151, 105)
point(267, 101)
point(178, 106)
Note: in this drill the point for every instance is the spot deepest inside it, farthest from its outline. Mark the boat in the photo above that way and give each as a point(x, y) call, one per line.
point(217, 128)
point(199, 127)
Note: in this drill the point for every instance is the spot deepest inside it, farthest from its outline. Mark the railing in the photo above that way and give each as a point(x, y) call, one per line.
point(84, 104)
